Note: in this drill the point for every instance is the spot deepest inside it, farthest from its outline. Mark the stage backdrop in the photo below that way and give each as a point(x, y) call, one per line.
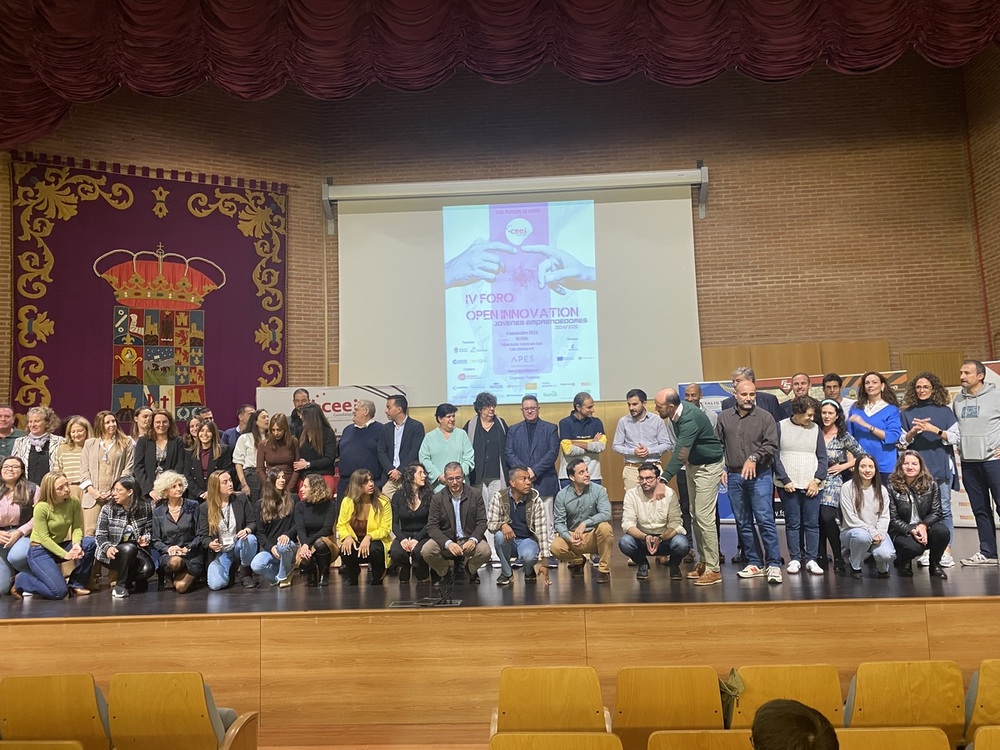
point(135, 287)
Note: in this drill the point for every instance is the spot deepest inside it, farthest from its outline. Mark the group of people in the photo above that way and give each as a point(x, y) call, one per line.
point(260, 500)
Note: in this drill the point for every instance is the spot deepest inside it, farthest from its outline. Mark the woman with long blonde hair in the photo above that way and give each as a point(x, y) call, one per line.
point(226, 525)
point(106, 457)
point(364, 529)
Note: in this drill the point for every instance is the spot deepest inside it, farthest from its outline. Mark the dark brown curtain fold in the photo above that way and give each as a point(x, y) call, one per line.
point(56, 53)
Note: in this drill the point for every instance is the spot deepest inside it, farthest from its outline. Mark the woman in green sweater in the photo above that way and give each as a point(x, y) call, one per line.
point(57, 516)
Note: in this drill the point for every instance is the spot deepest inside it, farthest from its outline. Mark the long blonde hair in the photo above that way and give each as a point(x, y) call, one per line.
point(122, 441)
point(213, 497)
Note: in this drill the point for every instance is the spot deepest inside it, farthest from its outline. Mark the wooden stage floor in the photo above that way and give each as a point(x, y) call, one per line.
point(337, 666)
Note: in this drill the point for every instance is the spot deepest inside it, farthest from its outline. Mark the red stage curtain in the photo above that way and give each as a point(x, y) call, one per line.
point(55, 53)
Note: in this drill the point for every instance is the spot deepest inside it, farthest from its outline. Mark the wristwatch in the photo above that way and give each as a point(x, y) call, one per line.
point(752, 458)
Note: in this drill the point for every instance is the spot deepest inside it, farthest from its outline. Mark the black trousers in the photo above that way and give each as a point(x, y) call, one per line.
point(376, 562)
point(908, 548)
point(131, 563)
point(402, 560)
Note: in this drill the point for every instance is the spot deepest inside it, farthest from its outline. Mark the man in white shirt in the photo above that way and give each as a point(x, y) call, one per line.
point(652, 526)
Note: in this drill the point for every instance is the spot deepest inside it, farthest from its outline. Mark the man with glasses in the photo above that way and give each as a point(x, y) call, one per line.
point(652, 526)
point(456, 525)
point(8, 432)
point(534, 443)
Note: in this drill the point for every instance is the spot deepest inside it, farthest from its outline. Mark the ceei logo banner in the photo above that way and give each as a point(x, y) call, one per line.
point(336, 402)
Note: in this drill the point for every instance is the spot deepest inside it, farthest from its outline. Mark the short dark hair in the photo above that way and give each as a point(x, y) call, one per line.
point(529, 397)
point(790, 725)
point(579, 398)
point(297, 391)
point(451, 466)
point(244, 407)
point(400, 401)
point(572, 464)
point(649, 467)
point(980, 367)
point(202, 410)
point(833, 376)
point(513, 471)
point(444, 410)
point(802, 404)
point(636, 392)
point(484, 400)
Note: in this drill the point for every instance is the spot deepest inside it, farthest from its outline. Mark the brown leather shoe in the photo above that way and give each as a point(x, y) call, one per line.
point(698, 572)
point(708, 578)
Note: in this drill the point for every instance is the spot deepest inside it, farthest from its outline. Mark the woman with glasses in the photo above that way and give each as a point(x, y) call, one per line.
point(17, 501)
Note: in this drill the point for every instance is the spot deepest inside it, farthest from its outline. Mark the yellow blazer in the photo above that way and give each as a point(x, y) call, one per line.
point(379, 526)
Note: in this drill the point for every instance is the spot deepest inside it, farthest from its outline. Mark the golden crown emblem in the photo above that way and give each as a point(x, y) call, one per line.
point(157, 279)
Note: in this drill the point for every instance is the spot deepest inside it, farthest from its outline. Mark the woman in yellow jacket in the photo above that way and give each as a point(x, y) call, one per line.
point(364, 529)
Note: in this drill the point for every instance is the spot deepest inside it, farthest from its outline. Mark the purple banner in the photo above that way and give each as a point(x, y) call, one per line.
point(132, 289)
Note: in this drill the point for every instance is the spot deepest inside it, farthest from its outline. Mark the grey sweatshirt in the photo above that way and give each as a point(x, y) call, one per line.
point(979, 420)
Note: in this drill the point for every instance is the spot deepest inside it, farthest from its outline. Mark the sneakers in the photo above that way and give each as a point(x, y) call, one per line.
point(813, 567)
point(947, 561)
point(576, 570)
point(925, 559)
point(708, 578)
point(979, 559)
point(794, 567)
point(642, 573)
point(119, 592)
point(284, 583)
point(503, 580)
point(773, 574)
point(752, 571)
point(603, 577)
point(530, 578)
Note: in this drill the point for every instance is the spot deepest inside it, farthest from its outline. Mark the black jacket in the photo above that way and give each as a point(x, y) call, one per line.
point(901, 509)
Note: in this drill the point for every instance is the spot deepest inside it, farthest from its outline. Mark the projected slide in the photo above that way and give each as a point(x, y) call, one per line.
point(520, 300)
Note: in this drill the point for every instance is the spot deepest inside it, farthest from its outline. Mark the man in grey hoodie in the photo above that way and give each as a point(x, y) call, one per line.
point(977, 408)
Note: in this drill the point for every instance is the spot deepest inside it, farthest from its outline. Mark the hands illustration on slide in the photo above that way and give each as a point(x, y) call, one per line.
point(480, 261)
point(483, 261)
point(561, 270)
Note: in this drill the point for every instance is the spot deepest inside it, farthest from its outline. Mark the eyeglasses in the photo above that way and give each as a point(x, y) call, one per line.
point(922, 387)
point(529, 408)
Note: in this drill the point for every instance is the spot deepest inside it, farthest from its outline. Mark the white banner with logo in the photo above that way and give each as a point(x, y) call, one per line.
point(336, 402)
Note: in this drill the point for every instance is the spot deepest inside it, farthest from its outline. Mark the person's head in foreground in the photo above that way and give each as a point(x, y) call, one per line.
point(790, 725)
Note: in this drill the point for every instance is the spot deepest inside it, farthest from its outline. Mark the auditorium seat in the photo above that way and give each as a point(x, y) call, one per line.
point(908, 694)
point(816, 685)
point(985, 738)
point(651, 698)
point(982, 702)
point(555, 741)
point(892, 738)
point(171, 710)
point(701, 739)
point(40, 745)
point(54, 707)
point(550, 699)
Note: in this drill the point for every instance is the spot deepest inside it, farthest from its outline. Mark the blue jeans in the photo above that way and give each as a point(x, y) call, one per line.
point(45, 577)
point(801, 514)
point(982, 479)
point(858, 543)
point(272, 568)
point(222, 562)
point(752, 500)
point(526, 549)
point(946, 516)
point(13, 560)
point(676, 546)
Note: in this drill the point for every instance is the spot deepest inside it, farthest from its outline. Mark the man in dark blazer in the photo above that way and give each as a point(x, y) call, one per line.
point(535, 443)
point(411, 435)
point(766, 401)
point(456, 525)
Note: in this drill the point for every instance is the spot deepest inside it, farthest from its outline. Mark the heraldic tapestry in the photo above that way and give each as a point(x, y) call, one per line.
point(140, 287)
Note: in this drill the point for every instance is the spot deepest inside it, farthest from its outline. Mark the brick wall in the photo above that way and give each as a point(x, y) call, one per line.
point(834, 200)
point(982, 91)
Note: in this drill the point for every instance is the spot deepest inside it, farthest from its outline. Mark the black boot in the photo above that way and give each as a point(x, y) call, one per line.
point(938, 572)
point(323, 560)
point(247, 579)
point(906, 569)
point(311, 576)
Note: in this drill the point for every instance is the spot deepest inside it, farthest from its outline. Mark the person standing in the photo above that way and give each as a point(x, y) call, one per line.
point(977, 408)
point(359, 445)
point(399, 444)
point(444, 445)
point(581, 435)
point(874, 422)
point(640, 438)
point(8, 432)
point(488, 434)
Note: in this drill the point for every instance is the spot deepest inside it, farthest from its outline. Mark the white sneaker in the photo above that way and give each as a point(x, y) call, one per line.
point(947, 561)
point(751, 571)
point(773, 574)
point(813, 567)
point(979, 559)
point(925, 559)
point(793, 567)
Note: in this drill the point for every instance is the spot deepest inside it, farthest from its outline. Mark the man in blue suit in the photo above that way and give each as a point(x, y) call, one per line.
point(535, 443)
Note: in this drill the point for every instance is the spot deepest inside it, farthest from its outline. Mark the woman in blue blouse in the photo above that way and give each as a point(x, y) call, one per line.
point(874, 422)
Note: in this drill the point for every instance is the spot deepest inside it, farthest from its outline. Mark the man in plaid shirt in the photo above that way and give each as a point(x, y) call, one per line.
point(516, 518)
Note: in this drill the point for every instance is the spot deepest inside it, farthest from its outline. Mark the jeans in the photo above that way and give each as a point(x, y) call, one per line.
point(526, 549)
point(858, 543)
point(752, 501)
point(801, 514)
point(274, 569)
point(13, 560)
point(45, 577)
point(676, 546)
point(946, 516)
point(489, 490)
point(982, 479)
point(222, 562)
